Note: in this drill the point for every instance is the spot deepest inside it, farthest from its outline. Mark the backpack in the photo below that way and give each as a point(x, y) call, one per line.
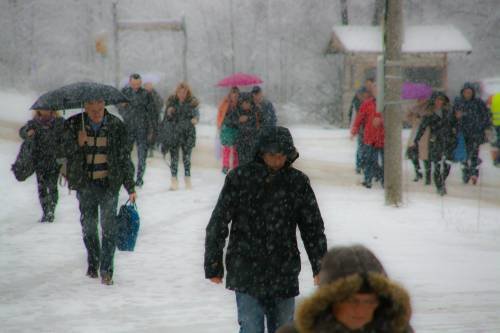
point(24, 167)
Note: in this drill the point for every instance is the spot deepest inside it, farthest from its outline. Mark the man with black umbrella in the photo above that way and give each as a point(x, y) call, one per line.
point(265, 201)
point(138, 116)
point(98, 165)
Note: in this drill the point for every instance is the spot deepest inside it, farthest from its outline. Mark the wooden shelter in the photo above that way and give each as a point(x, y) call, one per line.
point(425, 55)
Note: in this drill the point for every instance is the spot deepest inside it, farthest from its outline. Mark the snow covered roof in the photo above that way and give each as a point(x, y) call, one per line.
point(417, 39)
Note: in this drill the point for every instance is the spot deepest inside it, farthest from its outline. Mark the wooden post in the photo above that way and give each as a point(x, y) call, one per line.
point(392, 115)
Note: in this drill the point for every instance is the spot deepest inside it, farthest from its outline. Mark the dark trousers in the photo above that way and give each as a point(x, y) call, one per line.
point(374, 164)
point(441, 172)
point(470, 167)
point(47, 189)
point(252, 313)
point(186, 159)
point(360, 153)
point(140, 138)
point(97, 201)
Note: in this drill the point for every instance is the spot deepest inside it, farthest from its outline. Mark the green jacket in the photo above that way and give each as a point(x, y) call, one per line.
point(120, 167)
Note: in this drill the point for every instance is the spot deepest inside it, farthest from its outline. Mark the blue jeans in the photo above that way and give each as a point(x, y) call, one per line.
point(251, 313)
point(360, 154)
point(374, 164)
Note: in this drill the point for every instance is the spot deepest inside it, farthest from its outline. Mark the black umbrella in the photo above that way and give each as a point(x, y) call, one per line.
point(73, 96)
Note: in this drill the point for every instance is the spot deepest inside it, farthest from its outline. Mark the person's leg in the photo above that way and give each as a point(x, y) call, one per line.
point(53, 194)
point(88, 219)
point(186, 160)
point(474, 158)
point(370, 165)
point(108, 203)
point(359, 152)
point(280, 314)
point(438, 181)
point(174, 161)
point(427, 168)
point(142, 154)
point(250, 314)
point(43, 193)
point(380, 164)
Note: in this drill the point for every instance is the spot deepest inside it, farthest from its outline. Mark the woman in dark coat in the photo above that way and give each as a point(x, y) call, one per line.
point(182, 111)
point(442, 140)
point(354, 295)
point(246, 119)
point(46, 130)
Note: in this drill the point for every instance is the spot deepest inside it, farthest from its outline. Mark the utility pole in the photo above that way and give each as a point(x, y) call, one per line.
point(393, 28)
point(344, 12)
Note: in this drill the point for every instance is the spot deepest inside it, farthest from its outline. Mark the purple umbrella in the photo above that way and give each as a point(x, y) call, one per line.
point(239, 79)
point(411, 90)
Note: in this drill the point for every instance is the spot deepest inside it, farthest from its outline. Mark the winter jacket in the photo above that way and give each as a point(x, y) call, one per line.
point(442, 126)
point(495, 109)
point(264, 210)
point(228, 130)
point(476, 118)
point(119, 165)
point(157, 106)
point(373, 123)
point(344, 271)
point(268, 113)
point(184, 132)
point(414, 117)
point(48, 142)
point(139, 113)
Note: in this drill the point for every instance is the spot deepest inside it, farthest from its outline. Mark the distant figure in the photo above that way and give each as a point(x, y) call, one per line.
point(361, 95)
point(495, 116)
point(157, 101)
point(355, 295)
point(99, 165)
point(265, 106)
point(227, 131)
point(46, 130)
point(181, 110)
point(475, 119)
point(138, 117)
point(264, 201)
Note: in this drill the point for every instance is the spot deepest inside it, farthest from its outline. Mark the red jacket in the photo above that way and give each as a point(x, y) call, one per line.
point(373, 123)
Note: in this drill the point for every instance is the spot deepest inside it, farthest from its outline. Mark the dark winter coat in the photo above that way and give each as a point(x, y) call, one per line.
point(157, 107)
point(443, 133)
point(268, 113)
point(264, 210)
point(344, 271)
point(139, 113)
point(476, 118)
point(119, 165)
point(48, 142)
point(183, 130)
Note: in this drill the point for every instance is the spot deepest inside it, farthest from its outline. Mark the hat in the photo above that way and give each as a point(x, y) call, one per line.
point(255, 90)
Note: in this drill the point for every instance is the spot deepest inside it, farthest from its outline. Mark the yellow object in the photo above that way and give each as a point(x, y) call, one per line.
point(495, 109)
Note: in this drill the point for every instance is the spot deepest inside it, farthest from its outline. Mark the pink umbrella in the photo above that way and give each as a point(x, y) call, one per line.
point(239, 79)
point(410, 90)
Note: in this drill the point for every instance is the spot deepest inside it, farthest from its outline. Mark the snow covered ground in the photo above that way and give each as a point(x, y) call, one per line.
point(445, 251)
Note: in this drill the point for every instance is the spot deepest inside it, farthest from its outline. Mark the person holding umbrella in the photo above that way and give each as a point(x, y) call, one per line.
point(98, 164)
point(46, 130)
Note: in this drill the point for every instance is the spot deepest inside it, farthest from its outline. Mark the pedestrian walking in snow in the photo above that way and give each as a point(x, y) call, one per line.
point(265, 106)
point(138, 116)
point(265, 201)
point(46, 130)
point(246, 120)
point(227, 131)
point(475, 119)
point(361, 95)
point(373, 138)
point(420, 152)
point(157, 107)
point(98, 165)
point(442, 141)
point(355, 295)
point(181, 110)
point(495, 118)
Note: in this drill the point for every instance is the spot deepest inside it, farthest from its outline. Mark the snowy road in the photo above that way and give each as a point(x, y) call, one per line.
point(438, 248)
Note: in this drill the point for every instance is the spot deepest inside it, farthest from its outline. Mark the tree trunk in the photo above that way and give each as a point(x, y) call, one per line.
point(392, 114)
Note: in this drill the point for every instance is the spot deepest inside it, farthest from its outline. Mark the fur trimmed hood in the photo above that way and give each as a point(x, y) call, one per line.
point(346, 270)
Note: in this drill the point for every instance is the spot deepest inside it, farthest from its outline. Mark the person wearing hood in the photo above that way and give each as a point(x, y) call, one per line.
point(46, 130)
point(475, 119)
point(354, 295)
point(442, 141)
point(246, 119)
point(265, 201)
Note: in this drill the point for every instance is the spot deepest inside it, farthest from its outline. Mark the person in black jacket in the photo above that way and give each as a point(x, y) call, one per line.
point(46, 130)
point(138, 117)
point(98, 164)
point(265, 200)
point(442, 140)
point(475, 119)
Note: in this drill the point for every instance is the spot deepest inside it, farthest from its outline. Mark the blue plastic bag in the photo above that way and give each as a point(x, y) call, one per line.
point(128, 227)
point(460, 153)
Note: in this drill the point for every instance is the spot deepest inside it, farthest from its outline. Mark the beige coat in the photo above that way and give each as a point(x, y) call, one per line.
point(414, 117)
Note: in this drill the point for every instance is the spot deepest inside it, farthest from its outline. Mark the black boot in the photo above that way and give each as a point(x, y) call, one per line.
point(418, 176)
point(427, 165)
